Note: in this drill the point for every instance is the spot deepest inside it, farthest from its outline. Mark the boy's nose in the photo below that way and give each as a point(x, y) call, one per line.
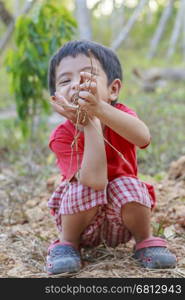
point(75, 84)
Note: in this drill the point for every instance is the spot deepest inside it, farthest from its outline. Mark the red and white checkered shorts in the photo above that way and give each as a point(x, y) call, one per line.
point(107, 225)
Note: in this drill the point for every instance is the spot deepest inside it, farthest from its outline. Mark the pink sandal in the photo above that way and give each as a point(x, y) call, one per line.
point(153, 253)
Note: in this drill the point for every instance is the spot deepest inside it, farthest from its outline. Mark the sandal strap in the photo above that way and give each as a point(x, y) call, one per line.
point(151, 242)
point(57, 242)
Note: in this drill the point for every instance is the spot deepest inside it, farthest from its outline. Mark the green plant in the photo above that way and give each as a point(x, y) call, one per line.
point(37, 37)
point(158, 229)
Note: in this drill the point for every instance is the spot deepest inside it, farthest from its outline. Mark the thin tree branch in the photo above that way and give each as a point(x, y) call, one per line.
point(124, 32)
point(176, 29)
point(83, 18)
point(183, 42)
point(160, 29)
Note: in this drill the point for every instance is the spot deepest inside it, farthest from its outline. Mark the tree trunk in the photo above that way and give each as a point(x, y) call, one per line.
point(117, 18)
point(8, 33)
point(125, 31)
point(150, 79)
point(176, 30)
point(183, 45)
point(5, 15)
point(83, 18)
point(149, 18)
point(160, 29)
point(16, 7)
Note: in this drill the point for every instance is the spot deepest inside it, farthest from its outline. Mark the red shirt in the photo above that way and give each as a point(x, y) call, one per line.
point(63, 136)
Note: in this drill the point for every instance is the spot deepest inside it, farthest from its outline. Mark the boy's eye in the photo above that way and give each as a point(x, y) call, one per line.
point(64, 81)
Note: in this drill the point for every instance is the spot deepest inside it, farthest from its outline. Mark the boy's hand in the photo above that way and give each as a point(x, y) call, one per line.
point(88, 95)
point(64, 108)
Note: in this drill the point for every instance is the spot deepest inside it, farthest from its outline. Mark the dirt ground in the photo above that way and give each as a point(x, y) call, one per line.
point(27, 229)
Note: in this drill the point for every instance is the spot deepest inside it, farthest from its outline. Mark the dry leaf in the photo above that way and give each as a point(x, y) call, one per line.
point(169, 232)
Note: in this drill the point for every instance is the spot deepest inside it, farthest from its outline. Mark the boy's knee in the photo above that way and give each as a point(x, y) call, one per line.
point(95, 185)
point(81, 218)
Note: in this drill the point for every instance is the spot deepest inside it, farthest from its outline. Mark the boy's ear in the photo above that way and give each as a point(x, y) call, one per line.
point(114, 89)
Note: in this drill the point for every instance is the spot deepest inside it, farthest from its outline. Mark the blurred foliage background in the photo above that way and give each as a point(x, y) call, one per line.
point(130, 27)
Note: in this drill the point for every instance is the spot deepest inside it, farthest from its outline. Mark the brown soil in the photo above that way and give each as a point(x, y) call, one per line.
point(27, 229)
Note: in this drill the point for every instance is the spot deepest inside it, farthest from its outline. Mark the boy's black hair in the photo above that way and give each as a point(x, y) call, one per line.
point(107, 58)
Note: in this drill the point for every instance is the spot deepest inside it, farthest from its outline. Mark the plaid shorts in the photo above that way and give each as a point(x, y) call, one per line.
point(107, 225)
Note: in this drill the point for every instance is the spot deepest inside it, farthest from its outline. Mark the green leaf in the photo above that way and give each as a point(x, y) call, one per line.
point(37, 38)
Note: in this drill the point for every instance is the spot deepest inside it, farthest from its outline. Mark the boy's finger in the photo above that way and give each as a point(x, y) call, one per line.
point(87, 76)
point(60, 98)
point(63, 112)
point(89, 86)
point(86, 96)
point(62, 102)
point(60, 109)
point(57, 107)
point(82, 103)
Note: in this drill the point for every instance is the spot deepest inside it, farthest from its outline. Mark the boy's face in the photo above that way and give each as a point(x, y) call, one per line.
point(68, 76)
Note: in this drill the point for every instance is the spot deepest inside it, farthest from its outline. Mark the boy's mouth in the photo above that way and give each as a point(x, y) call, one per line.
point(74, 98)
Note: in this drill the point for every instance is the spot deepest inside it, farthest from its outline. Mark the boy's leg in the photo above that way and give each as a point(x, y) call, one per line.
point(64, 256)
point(136, 218)
point(74, 225)
point(134, 201)
point(152, 252)
point(77, 206)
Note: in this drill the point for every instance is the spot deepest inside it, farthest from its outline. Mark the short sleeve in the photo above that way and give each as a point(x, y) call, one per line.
point(68, 159)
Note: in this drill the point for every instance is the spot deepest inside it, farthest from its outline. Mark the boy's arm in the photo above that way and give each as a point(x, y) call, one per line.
point(93, 172)
point(126, 125)
point(131, 128)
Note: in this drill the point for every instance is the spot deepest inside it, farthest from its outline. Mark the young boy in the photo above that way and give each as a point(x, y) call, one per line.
point(100, 198)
